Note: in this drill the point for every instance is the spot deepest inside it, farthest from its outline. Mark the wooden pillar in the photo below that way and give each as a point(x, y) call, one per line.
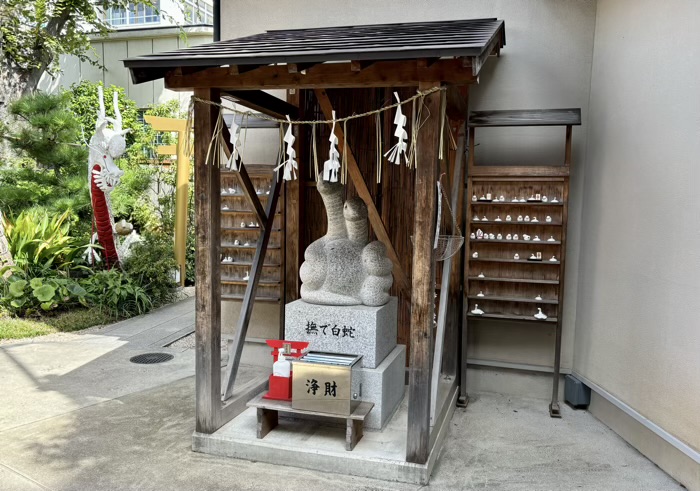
point(207, 186)
point(293, 213)
point(423, 280)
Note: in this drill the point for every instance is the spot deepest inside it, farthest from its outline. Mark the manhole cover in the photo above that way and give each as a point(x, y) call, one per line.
point(151, 358)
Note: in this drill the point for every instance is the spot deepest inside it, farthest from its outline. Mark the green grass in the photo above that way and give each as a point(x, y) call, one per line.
point(74, 320)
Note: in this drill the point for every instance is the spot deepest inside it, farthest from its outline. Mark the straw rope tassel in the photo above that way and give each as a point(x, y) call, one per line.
point(313, 145)
point(345, 152)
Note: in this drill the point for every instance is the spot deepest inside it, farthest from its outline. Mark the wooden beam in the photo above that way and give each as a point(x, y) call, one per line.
point(261, 101)
point(241, 69)
point(208, 265)
point(236, 345)
point(479, 61)
point(426, 62)
point(423, 274)
point(327, 75)
point(359, 65)
point(356, 175)
point(457, 102)
point(299, 67)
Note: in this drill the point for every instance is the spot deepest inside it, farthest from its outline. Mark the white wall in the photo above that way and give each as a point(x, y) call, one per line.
point(638, 310)
point(125, 44)
point(546, 63)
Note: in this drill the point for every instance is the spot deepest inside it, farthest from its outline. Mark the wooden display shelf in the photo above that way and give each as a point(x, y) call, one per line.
point(245, 212)
point(250, 263)
point(234, 296)
point(513, 222)
point(519, 203)
point(515, 280)
point(512, 317)
point(506, 241)
point(513, 299)
point(518, 261)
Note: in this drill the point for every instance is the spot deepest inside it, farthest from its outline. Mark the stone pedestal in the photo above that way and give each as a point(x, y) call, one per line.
point(357, 330)
point(384, 386)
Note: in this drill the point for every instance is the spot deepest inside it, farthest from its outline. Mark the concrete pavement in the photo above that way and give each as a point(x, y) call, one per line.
point(76, 415)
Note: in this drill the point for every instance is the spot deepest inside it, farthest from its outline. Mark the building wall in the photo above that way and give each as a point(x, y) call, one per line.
point(123, 44)
point(637, 332)
point(546, 63)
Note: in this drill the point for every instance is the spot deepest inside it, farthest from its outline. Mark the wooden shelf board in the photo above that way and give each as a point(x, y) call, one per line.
point(230, 296)
point(250, 263)
point(247, 229)
point(519, 203)
point(527, 318)
point(246, 212)
point(519, 261)
point(513, 222)
point(235, 281)
point(513, 299)
point(526, 117)
point(254, 246)
point(505, 241)
point(515, 280)
point(241, 195)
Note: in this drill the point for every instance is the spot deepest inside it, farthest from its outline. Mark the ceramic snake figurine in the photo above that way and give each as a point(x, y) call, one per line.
point(341, 268)
point(106, 145)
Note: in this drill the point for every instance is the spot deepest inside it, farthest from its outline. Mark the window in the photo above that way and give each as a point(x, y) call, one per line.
point(198, 12)
point(134, 14)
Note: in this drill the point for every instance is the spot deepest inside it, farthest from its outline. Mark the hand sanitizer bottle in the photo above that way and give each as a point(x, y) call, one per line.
point(282, 367)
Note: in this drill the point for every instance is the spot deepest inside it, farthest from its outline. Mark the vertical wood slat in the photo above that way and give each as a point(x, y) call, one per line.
point(423, 274)
point(293, 207)
point(236, 346)
point(208, 287)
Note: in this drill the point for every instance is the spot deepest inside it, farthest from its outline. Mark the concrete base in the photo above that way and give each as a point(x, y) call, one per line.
point(309, 445)
point(357, 330)
point(384, 386)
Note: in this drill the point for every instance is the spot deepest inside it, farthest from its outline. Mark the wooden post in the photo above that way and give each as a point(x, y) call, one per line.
point(423, 283)
point(208, 265)
point(292, 224)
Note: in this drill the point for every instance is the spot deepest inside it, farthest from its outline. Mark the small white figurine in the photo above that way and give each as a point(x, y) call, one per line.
point(251, 225)
point(555, 200)
point(508, 237)
point(535, 220)
point(516, 256)
point(538, 297)
point(475, 254)
point(492, 236)
point(475, 219)
point(514, 200)
point(544, 199)
point(480, 294)
point(523, 200)
point(474, 198)
point(515, 236)
point(247, 244)
point(536, 238)
point(551, 239)
point(225, 207)
point(527, 218)
point(502, 198)
point(533, 257)
point(498, 219)
point(526, 237)
point(484, 219)
point(520, 218)
point(472, 235)
point(242, 224)
point(483, 198)
point(508, 218)
point(488, 196)
point(540, 315)
point(553, 259)
point(247, 276)
point(481, 275)
point(548, 219)
point(236, 242)
point(499, 237)
point(479, 234)
point(476, 310)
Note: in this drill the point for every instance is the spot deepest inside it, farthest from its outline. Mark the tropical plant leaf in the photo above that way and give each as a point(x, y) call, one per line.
point(44, 293)
point(17, 288)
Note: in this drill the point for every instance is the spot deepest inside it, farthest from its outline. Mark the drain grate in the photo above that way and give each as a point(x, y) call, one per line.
point(151, 358)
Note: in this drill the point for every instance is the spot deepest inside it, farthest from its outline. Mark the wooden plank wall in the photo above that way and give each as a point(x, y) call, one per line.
point(393, 197)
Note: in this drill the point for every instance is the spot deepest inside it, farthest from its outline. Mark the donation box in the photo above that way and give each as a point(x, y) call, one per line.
point(326, 383)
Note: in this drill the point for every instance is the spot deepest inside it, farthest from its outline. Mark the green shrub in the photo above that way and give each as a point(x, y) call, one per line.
point(73, 320)
point(151, 265)
point(25, 297)
point(41, 242)
point(117, 295)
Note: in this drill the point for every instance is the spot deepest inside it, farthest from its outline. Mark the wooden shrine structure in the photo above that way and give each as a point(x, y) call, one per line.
point(326, 69)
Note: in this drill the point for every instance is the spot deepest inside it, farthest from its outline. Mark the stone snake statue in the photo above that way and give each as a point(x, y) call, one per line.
point(341, 268)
